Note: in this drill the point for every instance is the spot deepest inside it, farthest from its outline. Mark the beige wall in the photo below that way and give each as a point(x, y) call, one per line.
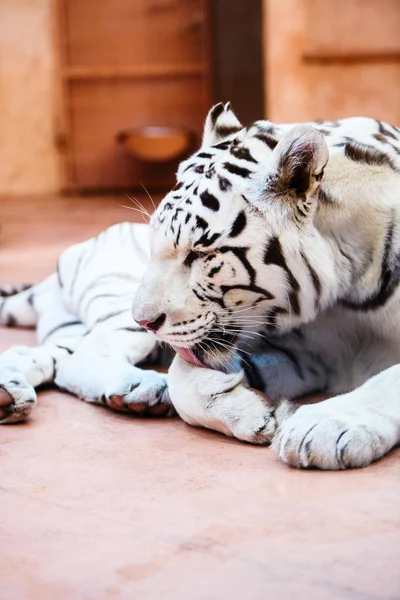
point(28, 160)
point(328, 60)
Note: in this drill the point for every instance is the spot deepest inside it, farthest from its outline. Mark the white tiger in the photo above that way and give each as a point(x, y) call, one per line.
point(291, 232)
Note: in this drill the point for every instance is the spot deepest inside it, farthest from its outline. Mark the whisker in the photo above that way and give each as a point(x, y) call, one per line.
point(147, 192)
point(145, 216)
point(138, 204)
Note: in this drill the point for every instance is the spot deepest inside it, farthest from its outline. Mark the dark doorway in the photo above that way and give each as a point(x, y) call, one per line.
point(238, 57)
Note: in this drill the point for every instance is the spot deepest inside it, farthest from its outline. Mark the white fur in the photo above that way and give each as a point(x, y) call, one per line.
point(351, 430)
point(211, 399)
point(333, 233)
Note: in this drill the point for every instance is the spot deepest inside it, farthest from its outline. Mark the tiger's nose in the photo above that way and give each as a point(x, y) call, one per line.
point(153, 325)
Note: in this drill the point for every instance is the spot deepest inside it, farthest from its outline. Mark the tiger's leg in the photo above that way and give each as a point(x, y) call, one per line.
point(23, 368)
point(347, 431)
point(100, 288)
point(103, 371)
point(16, 309)
point(97, 366)
point(247, 405)
point(215, 400)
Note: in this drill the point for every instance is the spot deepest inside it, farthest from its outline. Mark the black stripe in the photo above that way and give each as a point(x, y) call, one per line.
point(242, 153)
point(222, 145)
point(238, 225)
point(110, 316)
point(383, 130)
point(102, 279)
point(389, 278)
point(274, 255)
point(215, 112)
point(204, 155)
point(266, 295)
point(209, 201)
point(200, 222)
point(241, 254)
point(60, 283)
point(76, 273)
point(190, 258)
point(224, 184)
point(9, 320)
point(325, 197)
point(94, 298)
point(206, 239)
point(224, 131)
point(54, 369)
point(210, 171)
point(314, 278)
point(132, 329)
point(240, 171)
point(198, 296)
point(368, 154)
point(65, 348)
point(323, 130)
point(178, 235)
point(61, 326)
point(267, 139)
point(214, 271)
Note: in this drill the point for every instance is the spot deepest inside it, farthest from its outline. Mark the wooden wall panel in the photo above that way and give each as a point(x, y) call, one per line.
point(332, 59)
point(128, 63)
point(352, 26)
point(98, 160)
point(370, 90)
point(28, 159)
point(134, 33)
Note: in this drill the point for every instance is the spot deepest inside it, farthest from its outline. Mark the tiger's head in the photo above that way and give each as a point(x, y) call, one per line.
point(232, 244)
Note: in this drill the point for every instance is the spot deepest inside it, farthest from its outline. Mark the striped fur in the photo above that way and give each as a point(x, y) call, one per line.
point(280, 241)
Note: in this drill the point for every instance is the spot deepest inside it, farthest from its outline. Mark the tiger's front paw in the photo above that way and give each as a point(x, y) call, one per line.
point(145, 394)
point(320, 436)
point(207, 398)
point(117, 384)
point(250, 416)
point(17, 396)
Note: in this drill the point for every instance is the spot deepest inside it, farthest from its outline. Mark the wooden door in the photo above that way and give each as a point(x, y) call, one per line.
point(327, 59)
point(128, 63)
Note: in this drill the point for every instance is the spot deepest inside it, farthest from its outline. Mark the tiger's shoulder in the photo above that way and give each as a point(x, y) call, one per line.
point(360, 139)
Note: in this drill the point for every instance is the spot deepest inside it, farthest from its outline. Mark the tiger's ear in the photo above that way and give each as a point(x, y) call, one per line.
point(300, 156)
point(221, 122)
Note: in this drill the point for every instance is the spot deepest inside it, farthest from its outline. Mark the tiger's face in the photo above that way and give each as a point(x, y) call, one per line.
point(219, 268)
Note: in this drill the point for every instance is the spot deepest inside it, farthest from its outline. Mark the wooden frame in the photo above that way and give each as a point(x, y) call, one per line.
point(66, 76)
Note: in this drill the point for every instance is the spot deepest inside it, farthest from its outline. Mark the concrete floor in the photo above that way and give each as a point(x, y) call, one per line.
point(95, 505)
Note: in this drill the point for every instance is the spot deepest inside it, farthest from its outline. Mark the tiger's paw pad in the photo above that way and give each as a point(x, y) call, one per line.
point(17, 397)
point(146, 395)
point(311, 438)
point(116, 384)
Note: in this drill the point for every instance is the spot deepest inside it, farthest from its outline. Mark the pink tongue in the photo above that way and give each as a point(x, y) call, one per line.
point(189, 356)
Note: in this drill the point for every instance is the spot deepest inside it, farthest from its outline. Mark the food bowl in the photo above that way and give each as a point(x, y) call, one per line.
point(155, 144)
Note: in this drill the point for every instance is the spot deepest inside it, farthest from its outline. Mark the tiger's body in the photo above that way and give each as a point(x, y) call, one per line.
point(291, 232)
